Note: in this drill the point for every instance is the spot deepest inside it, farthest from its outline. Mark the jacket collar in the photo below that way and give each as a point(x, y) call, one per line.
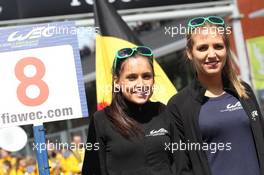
point(198, 90)
point(138, 112)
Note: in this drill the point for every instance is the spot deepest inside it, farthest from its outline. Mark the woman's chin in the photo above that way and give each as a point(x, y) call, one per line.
point(139, 100)
point(212, 72)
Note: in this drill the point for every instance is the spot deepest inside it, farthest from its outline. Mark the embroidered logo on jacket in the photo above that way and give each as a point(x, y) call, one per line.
point(254, 115)
point(159, 132)
point(232, 107)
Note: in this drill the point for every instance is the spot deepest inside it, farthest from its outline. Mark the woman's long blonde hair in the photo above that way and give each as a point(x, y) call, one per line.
point(228, 71)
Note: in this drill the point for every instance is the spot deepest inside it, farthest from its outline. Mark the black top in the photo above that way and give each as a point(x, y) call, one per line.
point(226, 129)
point(135, 156)
point(185, 107)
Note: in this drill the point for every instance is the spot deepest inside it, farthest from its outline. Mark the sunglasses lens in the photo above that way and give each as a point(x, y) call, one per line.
point(216, 20)
point(124, 52)
point(197, 21)
point(144, 50)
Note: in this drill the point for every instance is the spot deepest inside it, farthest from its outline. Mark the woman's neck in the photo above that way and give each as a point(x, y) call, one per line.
point(213, 85)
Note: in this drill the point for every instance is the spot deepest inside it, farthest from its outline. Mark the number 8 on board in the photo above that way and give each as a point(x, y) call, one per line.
point(34, 80)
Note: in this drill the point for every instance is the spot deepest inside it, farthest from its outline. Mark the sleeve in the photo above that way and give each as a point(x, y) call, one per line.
point(181, 158)
point(252, 95)
point(94, 160)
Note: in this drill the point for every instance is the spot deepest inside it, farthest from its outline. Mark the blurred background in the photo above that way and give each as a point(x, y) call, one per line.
point(155, 23)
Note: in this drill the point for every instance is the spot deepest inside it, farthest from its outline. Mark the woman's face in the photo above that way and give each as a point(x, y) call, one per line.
point(208, 53)
point(136, 80)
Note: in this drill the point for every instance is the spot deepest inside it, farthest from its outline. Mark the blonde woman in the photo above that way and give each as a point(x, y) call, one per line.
point(217, 114)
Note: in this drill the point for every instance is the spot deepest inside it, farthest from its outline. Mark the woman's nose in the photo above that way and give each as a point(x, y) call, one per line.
point(140, 82)
point(211, 53)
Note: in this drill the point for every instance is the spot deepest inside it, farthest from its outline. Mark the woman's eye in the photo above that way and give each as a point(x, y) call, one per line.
point(147, 76)
point(218, 46)
point(131, 77)
point(202, 48)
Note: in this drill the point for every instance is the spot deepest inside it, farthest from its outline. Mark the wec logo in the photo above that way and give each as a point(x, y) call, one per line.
point(232, 107)
point(33, 34)
point(229, 106)
point(160, 132)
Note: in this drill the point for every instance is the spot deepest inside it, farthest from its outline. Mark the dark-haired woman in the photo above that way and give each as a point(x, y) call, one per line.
point(217, 114)
point(131, 134)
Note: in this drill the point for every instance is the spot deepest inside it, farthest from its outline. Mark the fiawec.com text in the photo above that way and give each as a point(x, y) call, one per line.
point(7, 118)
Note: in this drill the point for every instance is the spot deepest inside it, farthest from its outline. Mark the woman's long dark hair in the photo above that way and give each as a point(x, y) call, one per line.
point(123, 123)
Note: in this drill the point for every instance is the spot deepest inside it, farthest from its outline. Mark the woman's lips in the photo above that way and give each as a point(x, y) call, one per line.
point(212, 63)
point(141, 94)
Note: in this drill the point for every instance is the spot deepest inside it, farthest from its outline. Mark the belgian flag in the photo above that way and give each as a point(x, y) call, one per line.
point(115, 34)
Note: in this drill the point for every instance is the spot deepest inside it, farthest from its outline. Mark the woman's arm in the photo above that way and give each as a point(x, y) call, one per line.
point(94, 160)
point(181, 157)
point(252, 95)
